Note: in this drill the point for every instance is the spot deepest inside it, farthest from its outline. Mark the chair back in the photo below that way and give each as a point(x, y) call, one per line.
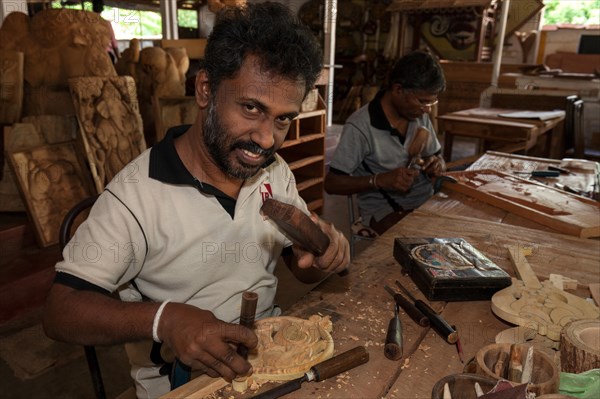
point(64, 236)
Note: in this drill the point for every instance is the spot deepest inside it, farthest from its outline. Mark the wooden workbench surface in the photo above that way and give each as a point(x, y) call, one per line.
point(360, 308)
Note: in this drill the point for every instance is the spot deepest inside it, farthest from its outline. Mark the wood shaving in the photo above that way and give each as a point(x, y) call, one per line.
point(353, 337)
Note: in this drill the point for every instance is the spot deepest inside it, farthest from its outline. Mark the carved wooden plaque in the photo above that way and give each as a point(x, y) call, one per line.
point(110, 123)
point(52, 179)
point(567, 213)
point(289, 346)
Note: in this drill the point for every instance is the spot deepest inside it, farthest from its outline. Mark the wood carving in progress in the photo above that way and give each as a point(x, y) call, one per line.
point(562, 211)
point(110, 122)
point(52, 180)
point(538, 306)
point(289, 346)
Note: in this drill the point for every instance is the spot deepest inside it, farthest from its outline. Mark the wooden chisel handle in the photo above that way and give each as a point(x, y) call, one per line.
point(247, 314)
point(340, 363)
point(411, 310)
point(393, 340)
point(437, 322)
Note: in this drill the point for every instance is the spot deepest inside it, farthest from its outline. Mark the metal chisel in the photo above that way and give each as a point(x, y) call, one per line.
point(319, 372)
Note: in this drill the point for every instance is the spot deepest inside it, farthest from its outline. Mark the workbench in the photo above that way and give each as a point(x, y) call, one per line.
point(486, 125)
point(360, 308)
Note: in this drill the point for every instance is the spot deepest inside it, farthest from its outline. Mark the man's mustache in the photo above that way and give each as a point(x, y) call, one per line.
point(254, 148)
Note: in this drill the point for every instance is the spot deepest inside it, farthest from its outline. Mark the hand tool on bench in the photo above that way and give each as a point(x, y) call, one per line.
point(437, 321)
point(393, 339)
point(408, 307)
point(540, 173)
point(298, 227)
point(321, 371)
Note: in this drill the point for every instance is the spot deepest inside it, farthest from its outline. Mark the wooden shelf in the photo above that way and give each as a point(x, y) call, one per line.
point(304, 151)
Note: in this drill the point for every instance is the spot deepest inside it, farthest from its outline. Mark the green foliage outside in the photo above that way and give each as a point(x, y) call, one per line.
point(126, 23)
point(580, 12)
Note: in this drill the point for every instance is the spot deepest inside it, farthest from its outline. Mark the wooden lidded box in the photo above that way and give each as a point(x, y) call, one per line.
point(449, 269)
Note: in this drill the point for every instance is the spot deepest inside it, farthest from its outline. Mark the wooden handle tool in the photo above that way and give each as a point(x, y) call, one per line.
point(393, 340)
point(247, 314)
point(409, 308)
point(319, 372)
point(437, 321)
point(299, 228)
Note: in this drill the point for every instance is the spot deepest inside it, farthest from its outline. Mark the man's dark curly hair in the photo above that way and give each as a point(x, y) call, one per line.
point(269, 31)
point(419, 71)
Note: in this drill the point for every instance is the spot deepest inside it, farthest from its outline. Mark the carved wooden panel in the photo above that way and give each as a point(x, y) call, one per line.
point(52, 179)
point(289, 346)
point(111, 126)
point(562, 211)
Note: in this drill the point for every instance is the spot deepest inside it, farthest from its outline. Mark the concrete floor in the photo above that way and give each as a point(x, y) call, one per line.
point(71, 380)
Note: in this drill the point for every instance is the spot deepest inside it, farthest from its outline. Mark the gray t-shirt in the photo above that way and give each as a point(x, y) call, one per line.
point(381, 149)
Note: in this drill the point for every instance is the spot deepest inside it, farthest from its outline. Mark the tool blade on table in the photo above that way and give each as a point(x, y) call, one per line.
point(282, 389)
point(321, 371)
point(299, 227)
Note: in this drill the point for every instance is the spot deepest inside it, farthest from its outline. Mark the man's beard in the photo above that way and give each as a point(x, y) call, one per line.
point(220, 145)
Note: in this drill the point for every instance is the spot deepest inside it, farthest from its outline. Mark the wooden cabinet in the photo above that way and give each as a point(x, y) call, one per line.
point(304, 151)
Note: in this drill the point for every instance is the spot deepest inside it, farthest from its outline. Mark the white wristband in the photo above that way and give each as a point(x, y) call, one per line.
point(157, 320)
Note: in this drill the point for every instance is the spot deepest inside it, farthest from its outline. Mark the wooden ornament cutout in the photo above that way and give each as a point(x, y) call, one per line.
point(289, 346)
point(538, 306)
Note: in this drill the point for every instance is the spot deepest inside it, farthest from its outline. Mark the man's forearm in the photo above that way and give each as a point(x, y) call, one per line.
point(91, 318)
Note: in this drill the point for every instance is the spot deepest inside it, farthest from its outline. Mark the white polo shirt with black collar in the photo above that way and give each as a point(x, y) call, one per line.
point(158, 233)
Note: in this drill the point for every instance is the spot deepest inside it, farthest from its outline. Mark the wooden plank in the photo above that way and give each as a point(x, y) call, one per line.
point(522, 267)
point(565, 212)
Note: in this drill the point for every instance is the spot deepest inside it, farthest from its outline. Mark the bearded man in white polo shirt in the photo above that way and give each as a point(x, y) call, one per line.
point(178, 233)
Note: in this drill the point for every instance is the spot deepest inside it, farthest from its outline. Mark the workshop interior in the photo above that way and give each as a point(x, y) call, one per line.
point(490, 288)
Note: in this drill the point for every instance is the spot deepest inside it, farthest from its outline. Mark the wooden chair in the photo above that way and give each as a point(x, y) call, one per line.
point(64, 235)
point(179, 377)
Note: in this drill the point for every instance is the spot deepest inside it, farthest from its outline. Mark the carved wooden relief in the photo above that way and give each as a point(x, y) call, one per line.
point(11, 86)
point(289, 346)
point(538, 305)
point(52, 179)
point(58, 44)
point(110, 123)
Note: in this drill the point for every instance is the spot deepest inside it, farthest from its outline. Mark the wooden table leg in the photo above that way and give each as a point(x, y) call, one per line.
point(448, 140)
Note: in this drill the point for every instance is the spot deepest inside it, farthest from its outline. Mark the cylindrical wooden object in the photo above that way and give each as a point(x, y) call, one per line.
point(580, 346)
point(544, 379)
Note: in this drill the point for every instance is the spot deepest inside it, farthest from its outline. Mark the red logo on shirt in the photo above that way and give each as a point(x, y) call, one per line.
point(266, 192)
